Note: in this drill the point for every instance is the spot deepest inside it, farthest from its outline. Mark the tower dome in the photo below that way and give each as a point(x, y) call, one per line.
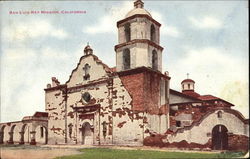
point(138, 9)
point(188, 87)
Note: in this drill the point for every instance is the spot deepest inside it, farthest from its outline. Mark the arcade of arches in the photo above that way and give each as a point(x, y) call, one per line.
point(31, 130)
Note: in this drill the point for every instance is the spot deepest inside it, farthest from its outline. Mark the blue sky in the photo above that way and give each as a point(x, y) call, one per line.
point(207, 39)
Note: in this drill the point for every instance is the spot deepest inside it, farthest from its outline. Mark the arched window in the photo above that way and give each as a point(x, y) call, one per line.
point(152, 33)
point(86, 69)
point(126, 59)
point(127, 32)
point(188, 86)
point(154, 60)
point(219, 114)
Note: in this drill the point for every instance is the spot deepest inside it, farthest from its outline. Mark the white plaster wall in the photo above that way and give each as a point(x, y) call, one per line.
point(199, 133)
point(163, 92)
point(140, 29)
point(142, 55)
point(191, 86)
point(55, 106)
point(178, 99)
point(96, 72)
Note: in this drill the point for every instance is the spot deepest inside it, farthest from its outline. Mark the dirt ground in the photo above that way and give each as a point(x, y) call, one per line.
point(34, 152)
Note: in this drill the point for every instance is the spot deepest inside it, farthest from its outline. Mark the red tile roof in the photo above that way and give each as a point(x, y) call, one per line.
point(191, 93)
point(187, 80)
point(208, 97)
point(40, 114)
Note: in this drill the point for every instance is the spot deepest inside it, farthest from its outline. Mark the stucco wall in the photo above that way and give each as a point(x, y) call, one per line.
point(201, 133)
point(173, 98)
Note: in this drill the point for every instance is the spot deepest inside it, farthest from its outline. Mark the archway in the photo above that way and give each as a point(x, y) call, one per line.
point(24, 134)
point(2, 134)
point(219, 138)
point(41, 134)
point(11, 135)
point(87, 134)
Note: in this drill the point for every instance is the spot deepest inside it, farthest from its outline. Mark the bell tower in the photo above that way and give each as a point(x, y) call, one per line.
point(138, 40)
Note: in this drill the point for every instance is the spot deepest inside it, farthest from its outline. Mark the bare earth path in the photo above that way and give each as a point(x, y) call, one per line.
point(34, 152)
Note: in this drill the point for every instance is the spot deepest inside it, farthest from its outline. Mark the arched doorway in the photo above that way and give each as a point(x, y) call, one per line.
point(219, 138)
point(87, 134)
point(2, 134)
point(41, 134)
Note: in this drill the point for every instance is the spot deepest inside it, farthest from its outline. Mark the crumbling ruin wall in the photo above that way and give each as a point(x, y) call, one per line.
point(97, 111)
point(98, 117)
point(201, 132)
point(55, 106)
point(128, 126)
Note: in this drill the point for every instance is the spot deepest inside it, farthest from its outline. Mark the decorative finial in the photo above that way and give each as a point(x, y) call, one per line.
point(138, 4)
point(187, 75)
point(88, 50)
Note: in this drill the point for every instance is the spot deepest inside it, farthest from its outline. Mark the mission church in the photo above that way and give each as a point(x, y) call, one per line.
point(130, 104)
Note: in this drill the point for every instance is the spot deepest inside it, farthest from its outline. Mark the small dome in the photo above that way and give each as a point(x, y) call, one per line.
point(187, 80)
point(137, 11)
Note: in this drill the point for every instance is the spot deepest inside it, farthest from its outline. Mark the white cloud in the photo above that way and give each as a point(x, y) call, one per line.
point(107, 23)
point(214, 71)
point(166, 29)
point(20, 31)
point(53, 53)
point(206, 22)
point(17, 54)
point(237, 92)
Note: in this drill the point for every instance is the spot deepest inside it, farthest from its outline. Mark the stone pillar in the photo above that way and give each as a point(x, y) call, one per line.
point(1, 137)
point(33, 138)
point(21, 142)
point(11, 138)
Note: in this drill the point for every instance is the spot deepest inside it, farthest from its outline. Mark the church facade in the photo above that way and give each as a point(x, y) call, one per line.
point(130, 104)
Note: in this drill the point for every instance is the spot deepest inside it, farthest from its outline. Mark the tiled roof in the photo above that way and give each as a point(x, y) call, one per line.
point(191, 93)
point(208, 97)
point(40, 114)
point(187, 80)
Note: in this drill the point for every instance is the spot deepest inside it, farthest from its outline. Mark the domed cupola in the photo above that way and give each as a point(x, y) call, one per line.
point(138, 9)
point(188, 87)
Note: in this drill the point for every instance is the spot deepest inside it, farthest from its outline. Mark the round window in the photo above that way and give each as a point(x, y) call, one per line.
point(86, 97)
